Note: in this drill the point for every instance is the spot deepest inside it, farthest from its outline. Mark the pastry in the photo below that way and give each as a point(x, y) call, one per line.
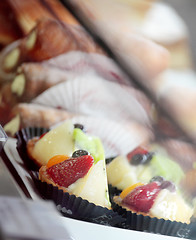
point(79, 175)
point(175, 92)
point(31, 80)
point(27, 13)
point(158, 198)
point(64, 139)
point(83, 175)
point(140, 165)
point(9, 61)
point(25, 115)
point(141, 56)
point(9, 30)
point(40, 44)
point(163, 25)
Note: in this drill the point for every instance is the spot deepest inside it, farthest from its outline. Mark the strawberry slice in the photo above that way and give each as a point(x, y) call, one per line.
point(70, 170)
point(142, 198)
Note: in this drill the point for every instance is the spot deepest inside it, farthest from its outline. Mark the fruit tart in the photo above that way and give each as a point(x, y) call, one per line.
point(159, 198)
point(78, 186)
point(79, 175)
point(64, 139)
point(156, 207)
point(74, 175)
point(140, 165)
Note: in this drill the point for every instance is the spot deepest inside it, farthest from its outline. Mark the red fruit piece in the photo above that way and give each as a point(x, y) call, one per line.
point(138, 150)
point(70, 170)
point(142, 198)
point(42, 135)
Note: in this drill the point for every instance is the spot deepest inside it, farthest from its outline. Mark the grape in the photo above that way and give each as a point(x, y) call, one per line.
point(78, 125)
point(141, 158)
point(79, 153)
point(137, 159)
point(157, 179)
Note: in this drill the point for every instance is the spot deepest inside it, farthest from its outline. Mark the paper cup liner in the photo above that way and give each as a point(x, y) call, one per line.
point(113, 191)
point(92, 95)
point(22, 137)
point(75, 207)
point(142, 223)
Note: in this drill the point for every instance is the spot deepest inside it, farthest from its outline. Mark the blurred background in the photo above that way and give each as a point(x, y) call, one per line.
point(186, 9)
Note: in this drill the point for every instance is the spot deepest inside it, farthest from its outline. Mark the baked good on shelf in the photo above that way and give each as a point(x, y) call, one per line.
point(164, 25)
point(49, 38)
point(64, 139)
point(158, 198)
point(144, 57)
point(27, 114)
point(9, 30)
point(139, 55)
point(30, 81)
point(78, 175)
point(9, 60)
point(140, 165)
point(175, 91)
point(27, 13)
point(81, 174)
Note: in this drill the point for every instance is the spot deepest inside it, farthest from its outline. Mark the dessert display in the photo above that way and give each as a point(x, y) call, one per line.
point(19, 74)
point(71, 167)
point(66, 137)
point(90, 135)
point(140, 165)
point(158, 198)
point(172, 74)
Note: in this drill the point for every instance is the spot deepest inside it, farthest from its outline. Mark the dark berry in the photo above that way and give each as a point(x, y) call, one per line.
point(138, 150)
point(78, 125)
point(157, 179)
point(137, 159)
point(141, 158)
point(79, 153)
point(168, 185)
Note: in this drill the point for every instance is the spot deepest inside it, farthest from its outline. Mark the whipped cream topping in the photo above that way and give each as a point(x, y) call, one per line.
point(170, 205)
